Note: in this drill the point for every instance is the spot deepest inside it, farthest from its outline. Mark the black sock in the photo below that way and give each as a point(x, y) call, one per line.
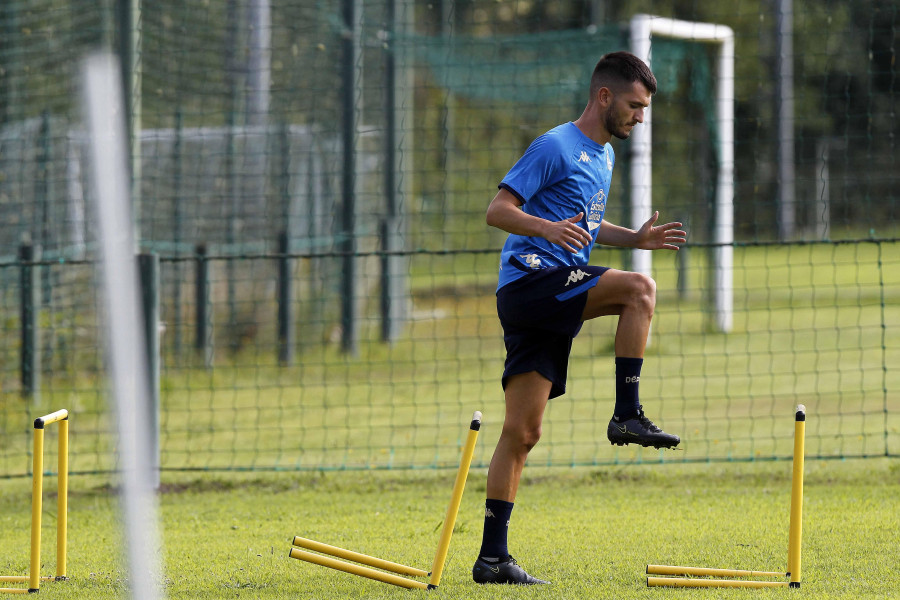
point(496, 526)
point(628, 378)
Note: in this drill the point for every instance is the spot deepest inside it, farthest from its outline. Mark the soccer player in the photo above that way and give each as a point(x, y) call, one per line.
point(552, 203)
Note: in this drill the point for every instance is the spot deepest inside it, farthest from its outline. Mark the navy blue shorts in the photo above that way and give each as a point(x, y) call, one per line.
point(541, 315)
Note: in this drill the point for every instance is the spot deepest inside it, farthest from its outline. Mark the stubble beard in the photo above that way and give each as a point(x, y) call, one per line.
point(614, 127)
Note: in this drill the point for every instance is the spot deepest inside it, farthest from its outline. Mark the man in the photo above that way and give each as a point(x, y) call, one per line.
point(552, 203)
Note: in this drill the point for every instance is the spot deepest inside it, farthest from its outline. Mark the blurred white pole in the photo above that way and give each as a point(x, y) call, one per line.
point(104, 118)
point(641, 151)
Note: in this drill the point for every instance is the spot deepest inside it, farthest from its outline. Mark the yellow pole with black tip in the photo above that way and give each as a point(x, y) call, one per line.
point(796, 527)
point(437, 568)
point(37, 481)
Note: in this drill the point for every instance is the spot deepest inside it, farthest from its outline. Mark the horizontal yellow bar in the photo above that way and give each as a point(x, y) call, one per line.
point(357, 557)
point(712, 583)
point(353, 569)
point(20, 578)
point(673, 570)
point(53, 417)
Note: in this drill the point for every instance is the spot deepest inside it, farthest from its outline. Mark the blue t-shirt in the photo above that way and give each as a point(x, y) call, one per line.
point(562, 173)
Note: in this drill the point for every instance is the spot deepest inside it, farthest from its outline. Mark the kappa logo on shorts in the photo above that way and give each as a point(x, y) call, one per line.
point(532, 260)
point(576, 276)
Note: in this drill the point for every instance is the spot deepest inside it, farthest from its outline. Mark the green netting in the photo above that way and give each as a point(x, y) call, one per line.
point(294, 337)
point(551, 67)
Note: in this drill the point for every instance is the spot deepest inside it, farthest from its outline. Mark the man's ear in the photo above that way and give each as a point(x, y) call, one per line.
point(604, 96)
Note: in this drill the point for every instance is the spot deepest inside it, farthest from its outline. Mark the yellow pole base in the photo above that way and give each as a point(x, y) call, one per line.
point(711, 583)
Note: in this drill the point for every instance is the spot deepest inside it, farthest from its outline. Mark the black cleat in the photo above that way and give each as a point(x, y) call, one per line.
point(639, 430)
point(504, 572)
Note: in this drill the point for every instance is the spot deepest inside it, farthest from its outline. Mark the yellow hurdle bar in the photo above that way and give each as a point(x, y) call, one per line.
point(711, 583)
point(437, 568)
point(348, 567)
point(37, 484)
point(795, 536)
point(357, 557)
point(703, 571)
point(443, 543)
point(60, 416)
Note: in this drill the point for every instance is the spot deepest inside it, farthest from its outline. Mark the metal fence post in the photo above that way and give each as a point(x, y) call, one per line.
point(148, 267)
point(203, 316)
point(285, 302)
point(351, 95)
point(29, 286)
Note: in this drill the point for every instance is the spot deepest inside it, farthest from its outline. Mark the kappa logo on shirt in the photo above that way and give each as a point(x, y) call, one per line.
point(584, 157)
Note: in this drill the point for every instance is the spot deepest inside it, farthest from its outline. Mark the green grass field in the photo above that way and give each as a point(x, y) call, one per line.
point(589, 530)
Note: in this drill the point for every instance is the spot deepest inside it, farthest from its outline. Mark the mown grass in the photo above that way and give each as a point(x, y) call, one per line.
point(589, 530)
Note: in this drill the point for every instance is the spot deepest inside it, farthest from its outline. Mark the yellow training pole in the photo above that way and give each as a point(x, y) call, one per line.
point(340, 565)
point(796, 527)
point(710, 583)
point(703, 571)
point(62, 501)
point(462, 473)
point(357, 557)
point(37, 476)
point(37, 479)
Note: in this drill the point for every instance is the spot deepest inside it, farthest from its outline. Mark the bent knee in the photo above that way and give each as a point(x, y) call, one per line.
point(644, 285)
point(643, 291)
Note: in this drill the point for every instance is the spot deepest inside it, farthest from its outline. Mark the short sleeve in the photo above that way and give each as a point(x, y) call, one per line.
point(541, 166)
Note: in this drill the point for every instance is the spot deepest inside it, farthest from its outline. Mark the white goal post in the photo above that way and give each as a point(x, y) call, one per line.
point(643, 29)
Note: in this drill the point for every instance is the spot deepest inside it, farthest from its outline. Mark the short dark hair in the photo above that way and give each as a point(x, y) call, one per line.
point(616, 69)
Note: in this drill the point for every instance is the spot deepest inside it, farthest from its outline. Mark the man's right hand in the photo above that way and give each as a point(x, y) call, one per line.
point(568, 234)
point(505, 212)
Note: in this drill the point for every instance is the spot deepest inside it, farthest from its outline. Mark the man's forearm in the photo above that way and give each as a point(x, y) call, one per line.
point(512, 219)
point(615, 235)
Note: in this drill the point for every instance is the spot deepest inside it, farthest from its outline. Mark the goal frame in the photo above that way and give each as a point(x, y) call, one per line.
point(643, 29)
